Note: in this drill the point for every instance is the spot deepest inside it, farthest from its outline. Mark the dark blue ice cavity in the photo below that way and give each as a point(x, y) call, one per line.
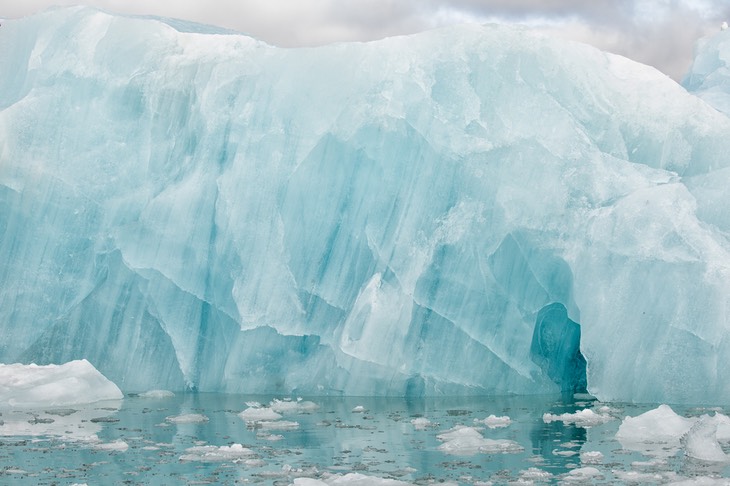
point(556, 348)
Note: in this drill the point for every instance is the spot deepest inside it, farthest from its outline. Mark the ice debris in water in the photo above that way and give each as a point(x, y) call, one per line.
point(156, 394)
point(581, 418)
point(350, 479)
point(257, 414)
point(210, 453)
point(582, 475)
point(187, 418)
point(463, 440)
point(528, 476)
point(494, 422)
point(73, 383)
point(359, 409)
point(591, 457)
point(421, 423)
point(291, 406)
point(117, 445)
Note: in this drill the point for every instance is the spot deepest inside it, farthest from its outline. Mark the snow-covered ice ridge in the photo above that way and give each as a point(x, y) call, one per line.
point(189, 208)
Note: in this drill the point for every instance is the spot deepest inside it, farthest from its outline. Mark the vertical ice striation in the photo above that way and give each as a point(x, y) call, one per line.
point(190, 208)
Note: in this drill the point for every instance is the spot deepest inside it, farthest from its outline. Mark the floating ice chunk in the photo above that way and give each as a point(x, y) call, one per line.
point(702, 481)
point(351, 479)
point(277, 425)
point(73, 383)
point(270, 437)
point(582, 474)
point(591, 457)
point(422, 423)
point(661, 425)
point(254, 414)
point(157, 394)
point(80, 424)
point(494, 422)
point(462, 440)
point(723, 427)
point(234, 452)
point(188, 418)
point(535, 474)
point(701, 441)
point(289, 406)
point(359, 409)
point(581, 418)
point(636, 477)
point(117, 445)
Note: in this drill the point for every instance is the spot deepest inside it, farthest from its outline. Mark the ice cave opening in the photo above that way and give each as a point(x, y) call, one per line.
point(556, 348)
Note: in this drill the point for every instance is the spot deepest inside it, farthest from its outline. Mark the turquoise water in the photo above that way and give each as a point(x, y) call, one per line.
point(134, 441)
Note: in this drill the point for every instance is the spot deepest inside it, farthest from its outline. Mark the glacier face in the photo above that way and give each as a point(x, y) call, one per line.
point(193, 209)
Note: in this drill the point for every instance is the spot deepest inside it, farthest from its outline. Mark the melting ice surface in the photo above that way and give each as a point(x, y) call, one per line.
point(192, 209)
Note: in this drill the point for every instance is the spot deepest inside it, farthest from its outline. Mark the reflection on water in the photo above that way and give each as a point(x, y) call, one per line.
point(203, 438)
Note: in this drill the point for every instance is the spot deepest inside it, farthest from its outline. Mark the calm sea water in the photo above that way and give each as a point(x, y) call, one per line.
point(137, 441)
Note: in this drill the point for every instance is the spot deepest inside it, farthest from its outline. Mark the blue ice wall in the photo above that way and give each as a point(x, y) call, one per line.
point(190, 208)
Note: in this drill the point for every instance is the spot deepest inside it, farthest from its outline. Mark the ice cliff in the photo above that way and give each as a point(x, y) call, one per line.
point(191, 208)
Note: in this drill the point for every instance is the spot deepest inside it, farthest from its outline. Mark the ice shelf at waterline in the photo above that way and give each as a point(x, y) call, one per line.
point(191, 208)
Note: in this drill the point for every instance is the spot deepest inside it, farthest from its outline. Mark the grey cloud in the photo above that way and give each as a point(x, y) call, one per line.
point(665, 42)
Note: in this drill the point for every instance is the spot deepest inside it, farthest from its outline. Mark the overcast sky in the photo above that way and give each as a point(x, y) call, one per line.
point(657, 32)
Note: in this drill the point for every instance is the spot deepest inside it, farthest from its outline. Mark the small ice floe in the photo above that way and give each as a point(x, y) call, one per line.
point(359, 409)
point(73, 383)
point(291, 406)
point(209, 453)
point(582, 418)
point(117, 445)
point(462, 440)
point(156, 394)
point(494, 422)
point(351, 479)
point(422, 423)
point(187, 418)
point(591, 457)
point(257, 414)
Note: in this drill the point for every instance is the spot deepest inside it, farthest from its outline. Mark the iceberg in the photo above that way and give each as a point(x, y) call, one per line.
point(190, 208)
point(73, 383)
